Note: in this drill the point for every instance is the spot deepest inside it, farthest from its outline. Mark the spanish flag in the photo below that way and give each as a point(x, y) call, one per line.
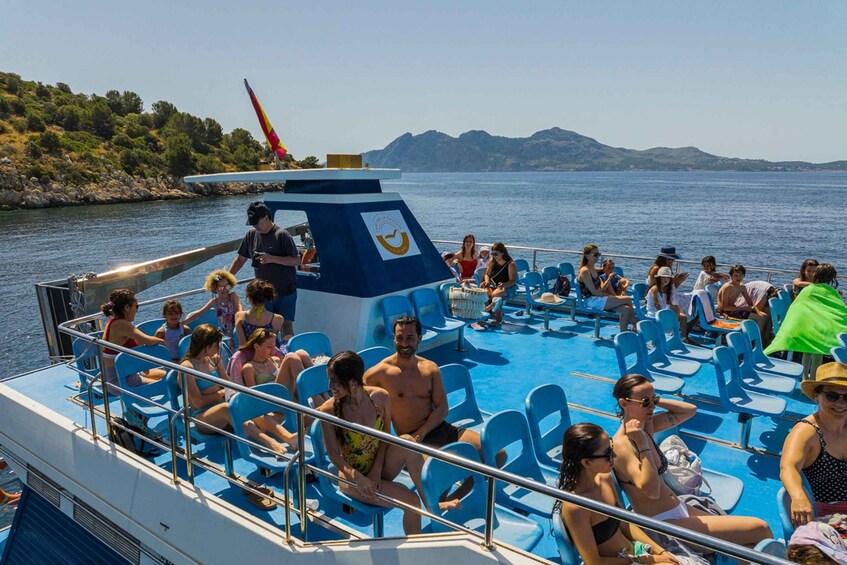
point(273, 139)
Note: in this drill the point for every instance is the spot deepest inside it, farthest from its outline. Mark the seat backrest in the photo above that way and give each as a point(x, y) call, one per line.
point(479, 275)
point(783, 503)
point(457, 379)
point(394, 307)
point(184, 342)
point(839, 353)
point(654, 340)
point(669, 326)
point(785, 295)
point(773, 547)
point(639, 297)
point(728, 378)
point(321, 457)
point(740, 346)
point(174, 390)
point(505, 429)
point(243, 407)
point(618, 271)
point(778, 312)
point(150, 327)
point(439, 476)
point(705, 310)
point(754, 337)
point(522, 265)
point(549, 275)
point(87, 362)
point(542, 402)
point(314, 343)
point(534, 286)
point(567, 551)
point(444, 295)
point(631, 354)
point(373, 355)
point(126, 365)
point(842, 337)
point(427, 307)
point(568, 270)
point(312, 381)
point(712, 290)
point(207, 317)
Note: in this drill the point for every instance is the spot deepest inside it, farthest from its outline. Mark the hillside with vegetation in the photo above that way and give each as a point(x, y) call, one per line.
point(59, 148)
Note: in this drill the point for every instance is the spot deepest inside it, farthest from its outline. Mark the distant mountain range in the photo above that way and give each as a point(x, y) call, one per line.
point(556, 149)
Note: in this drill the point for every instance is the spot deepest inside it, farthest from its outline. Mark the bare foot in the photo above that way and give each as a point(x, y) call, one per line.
point(450, 505)
point(277, 447)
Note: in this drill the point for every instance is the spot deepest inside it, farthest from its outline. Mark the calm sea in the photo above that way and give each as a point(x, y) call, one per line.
point(766, 219)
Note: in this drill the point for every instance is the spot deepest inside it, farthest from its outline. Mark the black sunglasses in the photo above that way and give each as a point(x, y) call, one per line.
point(834, 396)
point(608, 454)
point(645, 402)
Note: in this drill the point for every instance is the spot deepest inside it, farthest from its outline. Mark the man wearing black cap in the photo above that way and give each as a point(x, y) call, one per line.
point(275, 259)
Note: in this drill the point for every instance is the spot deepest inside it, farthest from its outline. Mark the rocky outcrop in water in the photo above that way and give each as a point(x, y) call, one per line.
point(17, 191)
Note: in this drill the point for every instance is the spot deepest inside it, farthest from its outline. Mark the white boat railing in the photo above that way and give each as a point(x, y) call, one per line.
point(491, 474)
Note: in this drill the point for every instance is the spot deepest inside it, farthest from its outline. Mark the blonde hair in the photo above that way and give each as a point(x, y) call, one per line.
point(216, 276)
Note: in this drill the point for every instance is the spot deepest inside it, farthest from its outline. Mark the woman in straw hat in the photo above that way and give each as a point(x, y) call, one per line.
point(818, 448)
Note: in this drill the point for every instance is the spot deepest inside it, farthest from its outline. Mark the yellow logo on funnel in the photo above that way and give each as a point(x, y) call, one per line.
point(391, 235)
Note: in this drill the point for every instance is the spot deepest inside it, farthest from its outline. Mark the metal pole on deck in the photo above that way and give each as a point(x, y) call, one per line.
point(301, 471)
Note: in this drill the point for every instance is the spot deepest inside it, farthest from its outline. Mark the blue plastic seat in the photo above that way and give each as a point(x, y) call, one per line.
point(783, 503)
point(639, 300)
point(428, 312)
point(373, 355)
point(156, 391)
point(534, 287)
point(243, 408)
point(330, 489)
point(712, 290)
point(314, 343)
point(567, 551)
point(778, 311)
point(507, 429)
point(708, 319)
point(439, 476)
point(838, 353)
point(773, 547)
point(207, 317)
point(464, 413)
point(87, 363)
point(175, 399)
point(479, 275)
point(842, 337)
point(548, 416)
point(549, 276)
point(312, 381)
point(395, 307)
point(674, 346)
point(522, 266)
point(150, 327)
point(762, 362)
point(751, 378)
point(654, 340)
point(736, 398)
point(632, 358)
point(786, 295)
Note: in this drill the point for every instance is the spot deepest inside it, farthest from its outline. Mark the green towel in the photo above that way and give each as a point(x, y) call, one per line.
point(815, 318)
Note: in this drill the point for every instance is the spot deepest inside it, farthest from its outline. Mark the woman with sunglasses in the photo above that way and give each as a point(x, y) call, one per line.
point(224, 301)
point(640, 464)
point(500, 275)
point(595, 292)
point(587, 461)
point(818, 448)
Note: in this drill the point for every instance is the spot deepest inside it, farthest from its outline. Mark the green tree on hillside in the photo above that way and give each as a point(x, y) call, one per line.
point(100, 120)
point(178, 156)
point(162, 112)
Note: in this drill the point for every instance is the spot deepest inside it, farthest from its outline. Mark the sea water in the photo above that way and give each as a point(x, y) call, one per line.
point(761, 219)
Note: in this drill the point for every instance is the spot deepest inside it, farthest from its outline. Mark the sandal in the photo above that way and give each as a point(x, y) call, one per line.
point(478, 326)
point(261, 502)
point(9, 498)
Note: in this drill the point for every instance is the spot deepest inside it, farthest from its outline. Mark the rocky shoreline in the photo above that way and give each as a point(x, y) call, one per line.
point(114, 186)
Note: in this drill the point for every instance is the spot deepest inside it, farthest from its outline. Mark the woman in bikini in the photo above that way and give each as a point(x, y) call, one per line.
point(121, 309)
point(206, 400)
point(362, 459)
point(588, 456)
point(466, 257)
point(640, 464)
point(818, 448)
point(258, 292)
point(595, 293)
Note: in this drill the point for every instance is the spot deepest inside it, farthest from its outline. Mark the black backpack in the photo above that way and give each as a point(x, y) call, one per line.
point(562, 286)
point(123, 438)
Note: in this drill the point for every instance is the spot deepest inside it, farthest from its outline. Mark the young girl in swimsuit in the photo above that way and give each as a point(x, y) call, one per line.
point(121, 309)
point(806, 276)
point(258, 292)
point(172, 331)
point(225, 302)
point(588, 456)
point(639, 465)
point(206, 400)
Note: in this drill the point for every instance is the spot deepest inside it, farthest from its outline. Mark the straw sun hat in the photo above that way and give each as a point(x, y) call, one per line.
point(550, 298)
point(831, 374)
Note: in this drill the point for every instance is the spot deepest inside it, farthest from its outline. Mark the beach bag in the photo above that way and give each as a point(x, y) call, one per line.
point(562, 286)
point(467, 302)
point(131, 443)
point(685, 471)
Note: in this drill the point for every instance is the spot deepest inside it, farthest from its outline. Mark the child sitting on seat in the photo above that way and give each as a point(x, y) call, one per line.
point(225, 302)
point(484, 257)
point(619, 284)
point(709, 274)
point(172, 330)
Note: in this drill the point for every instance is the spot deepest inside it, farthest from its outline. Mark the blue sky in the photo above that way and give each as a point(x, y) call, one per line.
point(741, 79)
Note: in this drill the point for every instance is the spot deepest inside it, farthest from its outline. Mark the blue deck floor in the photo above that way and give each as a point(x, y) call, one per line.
point(505, 365)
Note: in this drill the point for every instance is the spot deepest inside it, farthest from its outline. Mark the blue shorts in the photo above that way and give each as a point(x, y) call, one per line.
point(285, 306)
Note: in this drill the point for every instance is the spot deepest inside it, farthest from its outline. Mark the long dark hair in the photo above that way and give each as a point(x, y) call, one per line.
point(346, 367)
point(501, 249)
point(580, 441)
point(623, 388)
point(473, 248)
point(825, 274)
point(668, 289)
point(662, 261)
point(805, 264)
point(119, 300)
point(202, 337)
point(259, 291)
